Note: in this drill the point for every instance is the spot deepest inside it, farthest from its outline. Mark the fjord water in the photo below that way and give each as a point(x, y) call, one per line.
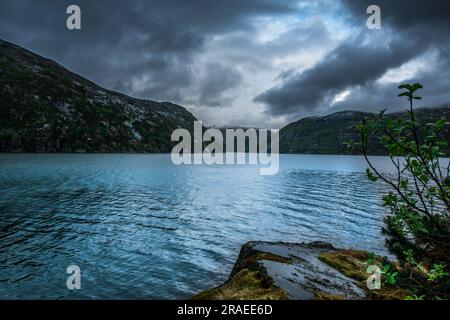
point(140, 227)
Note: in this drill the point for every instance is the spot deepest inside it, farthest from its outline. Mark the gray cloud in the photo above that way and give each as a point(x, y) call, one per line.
point(208, 56)
point(409, 30)
point(216, 82)
point(404, 14)
point(143, 48)
point(354, 63)
point(377, 96)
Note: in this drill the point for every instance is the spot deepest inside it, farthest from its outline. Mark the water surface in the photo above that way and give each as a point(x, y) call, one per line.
point(140, 227)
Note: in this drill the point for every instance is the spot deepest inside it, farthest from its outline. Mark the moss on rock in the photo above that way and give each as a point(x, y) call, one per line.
point(350, 262)
point(326, 296)
point(353, 264)
point(250, 282)
point(245, 285)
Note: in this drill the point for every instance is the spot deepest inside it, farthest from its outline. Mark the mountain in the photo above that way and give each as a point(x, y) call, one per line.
point(46, 108)
point(328, 134)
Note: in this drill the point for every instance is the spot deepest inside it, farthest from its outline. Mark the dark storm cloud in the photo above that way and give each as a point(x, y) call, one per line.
point(216, 82)
point(354, 63)
point(378, 96)
point(404, 14)
point(144, 48)
point(409, 29)
point(208, 53)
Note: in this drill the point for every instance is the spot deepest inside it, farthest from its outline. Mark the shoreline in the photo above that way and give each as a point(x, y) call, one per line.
point(299, 271)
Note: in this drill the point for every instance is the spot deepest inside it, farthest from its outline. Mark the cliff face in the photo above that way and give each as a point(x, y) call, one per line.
point(46, 108)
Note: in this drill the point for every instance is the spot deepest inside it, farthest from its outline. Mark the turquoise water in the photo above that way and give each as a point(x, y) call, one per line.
point(140, 227)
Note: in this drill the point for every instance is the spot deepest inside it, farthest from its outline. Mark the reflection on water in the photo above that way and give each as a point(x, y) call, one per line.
point(142, 228)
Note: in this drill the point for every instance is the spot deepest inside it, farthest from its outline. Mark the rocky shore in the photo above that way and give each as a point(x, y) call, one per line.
point(276, 271)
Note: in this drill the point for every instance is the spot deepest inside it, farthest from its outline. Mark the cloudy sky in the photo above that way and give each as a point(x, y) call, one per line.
point(259, 63)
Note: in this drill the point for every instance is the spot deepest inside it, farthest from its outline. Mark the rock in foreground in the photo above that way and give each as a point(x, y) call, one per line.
point(273, 271)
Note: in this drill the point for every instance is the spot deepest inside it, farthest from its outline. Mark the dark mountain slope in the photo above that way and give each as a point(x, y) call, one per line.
point(46, 108)
point(328, 134)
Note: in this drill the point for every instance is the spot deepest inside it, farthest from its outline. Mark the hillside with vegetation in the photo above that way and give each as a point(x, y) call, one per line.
point(329, 134)
point(46, 108)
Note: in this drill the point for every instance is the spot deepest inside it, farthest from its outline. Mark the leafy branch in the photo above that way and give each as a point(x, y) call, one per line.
point(419, 200)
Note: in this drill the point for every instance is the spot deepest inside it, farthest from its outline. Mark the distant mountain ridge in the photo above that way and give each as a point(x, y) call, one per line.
point(47, 108)
point(328, 134)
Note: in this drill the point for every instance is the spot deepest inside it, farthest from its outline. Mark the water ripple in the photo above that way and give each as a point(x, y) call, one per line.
point(140, 227)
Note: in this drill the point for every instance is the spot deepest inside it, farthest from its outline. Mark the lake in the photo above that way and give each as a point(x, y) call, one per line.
point(140, 227)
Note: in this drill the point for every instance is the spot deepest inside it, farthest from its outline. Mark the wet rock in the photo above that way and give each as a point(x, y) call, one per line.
point(295, 269)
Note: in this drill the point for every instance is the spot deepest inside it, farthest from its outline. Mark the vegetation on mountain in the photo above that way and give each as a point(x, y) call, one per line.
point(329, 134)
point(46, 108)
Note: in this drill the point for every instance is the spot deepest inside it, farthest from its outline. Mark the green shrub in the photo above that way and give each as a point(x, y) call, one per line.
point(418, 227)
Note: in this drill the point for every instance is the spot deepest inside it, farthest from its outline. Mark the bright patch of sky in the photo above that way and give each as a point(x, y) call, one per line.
point(341, 97)
point(279, 45)
point(410, 69)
